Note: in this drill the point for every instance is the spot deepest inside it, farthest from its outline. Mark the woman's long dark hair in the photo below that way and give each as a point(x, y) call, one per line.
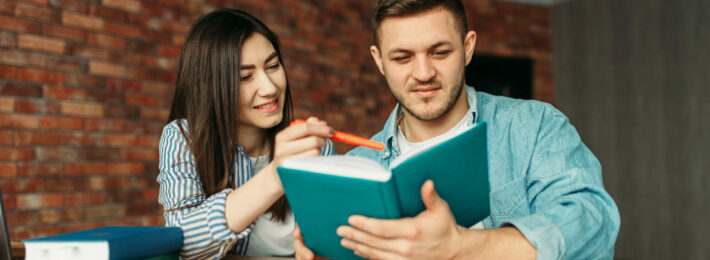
point(207, 96)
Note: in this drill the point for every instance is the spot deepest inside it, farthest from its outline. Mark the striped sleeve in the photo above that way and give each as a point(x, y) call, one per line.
point(328, 149)
point(204, 227)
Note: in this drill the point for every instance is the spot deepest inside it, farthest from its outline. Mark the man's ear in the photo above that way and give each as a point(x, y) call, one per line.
point(375, 52)
point(469, 43)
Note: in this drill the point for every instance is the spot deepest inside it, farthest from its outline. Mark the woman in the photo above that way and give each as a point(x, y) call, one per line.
point(227, 132)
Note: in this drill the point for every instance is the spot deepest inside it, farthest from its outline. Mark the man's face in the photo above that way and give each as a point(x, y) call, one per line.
point(423, 58)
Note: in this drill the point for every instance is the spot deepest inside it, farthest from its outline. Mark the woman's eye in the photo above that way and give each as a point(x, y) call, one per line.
point(274, 67)
point(244, 78)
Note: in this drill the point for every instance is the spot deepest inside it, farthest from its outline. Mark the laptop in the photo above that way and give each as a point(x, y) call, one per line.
point(5, 248)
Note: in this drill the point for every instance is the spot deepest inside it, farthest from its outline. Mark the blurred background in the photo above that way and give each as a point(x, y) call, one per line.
point(85, 89)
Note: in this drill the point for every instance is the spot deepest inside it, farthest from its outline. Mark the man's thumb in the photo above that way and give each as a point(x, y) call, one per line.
point(430, 198)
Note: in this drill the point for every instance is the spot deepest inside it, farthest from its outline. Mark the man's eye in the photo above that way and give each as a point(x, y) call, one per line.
point(441, 53)
point(244, 78)
point(400, 58)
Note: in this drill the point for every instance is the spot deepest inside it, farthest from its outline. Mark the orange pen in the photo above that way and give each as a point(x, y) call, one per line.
point(350, 139)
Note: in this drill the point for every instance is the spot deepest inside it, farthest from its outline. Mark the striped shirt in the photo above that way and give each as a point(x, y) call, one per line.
point(204, 227)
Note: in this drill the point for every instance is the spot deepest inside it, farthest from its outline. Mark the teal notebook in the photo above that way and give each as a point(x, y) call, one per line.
point(324, 191)
point(113, 242)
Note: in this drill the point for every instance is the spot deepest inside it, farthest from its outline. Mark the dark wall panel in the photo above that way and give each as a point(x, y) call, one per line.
point(633, 77)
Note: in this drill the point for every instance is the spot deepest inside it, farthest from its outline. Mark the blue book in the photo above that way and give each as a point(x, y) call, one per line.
point(324, 191)
point(113, 242)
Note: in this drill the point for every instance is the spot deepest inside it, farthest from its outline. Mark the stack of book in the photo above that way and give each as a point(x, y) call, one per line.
point(113, 242)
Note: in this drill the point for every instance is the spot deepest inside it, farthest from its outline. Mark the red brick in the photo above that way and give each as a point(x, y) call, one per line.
point(79, 139)
point(8, 39)
point(120, 140)
point(23, 90)
point(160, 114)
point(104, 125)
point(141, 100)
point(150, 194)
point(19, 121)
point(85, 51)
point(9, 202)
point(106, 69)
point(39, 2)
point(82, 21)
point(148, 141)
point(8, 72)
point(63, 32)
point(22, 233)
point(158, 88)
point(81, 109)
point(84, 168)
point(123, 85)
point(105, 211)
point(20, 25)
point(5, 137)
point(101, 154)
point(83, 80)
point(107, 41)
point(23, 186)
point(109, 14)
point(63, 123)
point(128, 5)
point(56, 92)
point(31, 138)
point(16, 154)
point(122, 29)
point(61, 215)
point(84, 198)
point(39, 201)
point(36, 12)
point(60, 154)
point(66, 184)
point(39, 169)
point(139, 154)
point(40, 43)
point(30, 106)
point(8, 170)
point(18, 57)
point(15, 219)
point(70, 5)
point(7, 6)
point(169, 51)
point(38, 75)
point(125, 168)
point(7, 104)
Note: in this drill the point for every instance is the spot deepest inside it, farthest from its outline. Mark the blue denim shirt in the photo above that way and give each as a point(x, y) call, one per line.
point(543, 179)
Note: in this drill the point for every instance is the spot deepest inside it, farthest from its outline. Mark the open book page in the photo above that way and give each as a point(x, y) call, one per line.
point(428, 145)
point(340, 165)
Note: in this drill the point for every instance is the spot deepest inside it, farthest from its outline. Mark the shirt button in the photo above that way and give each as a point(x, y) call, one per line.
point(387, 154)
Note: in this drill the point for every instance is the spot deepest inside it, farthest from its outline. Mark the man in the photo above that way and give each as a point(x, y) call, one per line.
point(547, 196)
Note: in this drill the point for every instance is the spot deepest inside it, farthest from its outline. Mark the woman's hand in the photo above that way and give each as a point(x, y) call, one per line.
point(300, 140)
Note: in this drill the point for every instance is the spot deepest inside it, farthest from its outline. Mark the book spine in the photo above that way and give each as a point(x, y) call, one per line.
point(146, 244)
point(391, 201)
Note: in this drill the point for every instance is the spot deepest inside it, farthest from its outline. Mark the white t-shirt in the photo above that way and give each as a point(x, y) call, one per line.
point(268, 237)
point(406, 146)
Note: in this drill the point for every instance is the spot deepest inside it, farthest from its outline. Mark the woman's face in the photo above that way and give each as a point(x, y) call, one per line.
point(262, 84)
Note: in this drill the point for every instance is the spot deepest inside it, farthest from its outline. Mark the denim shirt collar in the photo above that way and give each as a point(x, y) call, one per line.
point(391, 124)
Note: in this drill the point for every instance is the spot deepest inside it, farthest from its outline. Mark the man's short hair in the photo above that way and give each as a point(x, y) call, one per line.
point(400, 8)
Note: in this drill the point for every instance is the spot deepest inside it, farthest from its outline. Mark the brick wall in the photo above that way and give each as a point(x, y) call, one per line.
point(85, 88)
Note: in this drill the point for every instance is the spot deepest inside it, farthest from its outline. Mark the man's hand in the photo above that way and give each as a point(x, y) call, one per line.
point(302, 252)
point(433, 234)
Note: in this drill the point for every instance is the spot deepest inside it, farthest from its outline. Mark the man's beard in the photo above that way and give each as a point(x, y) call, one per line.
point(436, 114)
